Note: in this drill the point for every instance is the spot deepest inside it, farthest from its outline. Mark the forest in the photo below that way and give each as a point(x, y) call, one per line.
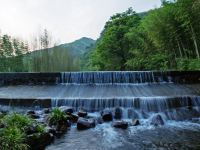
point(165, 38)
point(41, 55)
point(11, 53)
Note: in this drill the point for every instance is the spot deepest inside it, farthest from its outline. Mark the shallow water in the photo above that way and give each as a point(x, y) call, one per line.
point(95, 91)
point(173, 135)
point(141, 95)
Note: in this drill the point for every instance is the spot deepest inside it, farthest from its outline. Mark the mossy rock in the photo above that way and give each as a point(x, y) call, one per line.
point(38, 141)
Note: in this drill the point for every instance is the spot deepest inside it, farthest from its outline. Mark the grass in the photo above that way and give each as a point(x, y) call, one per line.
point(13, 135)
point(56, 116)
point(17, 120)
point(12, 138)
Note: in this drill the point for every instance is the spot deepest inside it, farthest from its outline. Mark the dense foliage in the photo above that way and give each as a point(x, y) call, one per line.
point(13, 131)
point(11, 53)
point(57, 115)
point(16, 56)
point(167, 38)
point(50, 60)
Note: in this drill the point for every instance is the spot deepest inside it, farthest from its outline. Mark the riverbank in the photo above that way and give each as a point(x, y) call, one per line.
point(61, 128)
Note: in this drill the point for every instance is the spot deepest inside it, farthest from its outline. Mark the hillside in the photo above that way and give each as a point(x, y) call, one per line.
point(64, 57)
point(79, 47)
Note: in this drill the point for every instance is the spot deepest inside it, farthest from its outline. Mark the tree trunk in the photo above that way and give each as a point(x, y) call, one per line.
point(195, 41)
point(179, 47)
point(184, 50)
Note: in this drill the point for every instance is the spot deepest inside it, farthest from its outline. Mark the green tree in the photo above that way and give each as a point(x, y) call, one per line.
point(167, 38)
point(111, 52)
point(7, 46)
point(16, 47)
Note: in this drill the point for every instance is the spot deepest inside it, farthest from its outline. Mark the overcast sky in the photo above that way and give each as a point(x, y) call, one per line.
point(67, 20)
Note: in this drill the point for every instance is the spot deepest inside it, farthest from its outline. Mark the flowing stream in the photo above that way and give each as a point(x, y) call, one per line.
point(140, 95)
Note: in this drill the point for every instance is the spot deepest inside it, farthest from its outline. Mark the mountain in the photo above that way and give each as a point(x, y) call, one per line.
point(143, 14)
point(64, 57)
point(79, 47)
point(76, 48)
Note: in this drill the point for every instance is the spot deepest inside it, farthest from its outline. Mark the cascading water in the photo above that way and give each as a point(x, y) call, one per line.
point(113, 77)
point(136, 95)
point(141, 93)
point(156, 104)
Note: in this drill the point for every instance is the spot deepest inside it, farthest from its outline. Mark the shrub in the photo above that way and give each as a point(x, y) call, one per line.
point(56, 116)
point(14, 133)
point(12, 138)
point(17, 120)
point(40, 128)
point(188, 64)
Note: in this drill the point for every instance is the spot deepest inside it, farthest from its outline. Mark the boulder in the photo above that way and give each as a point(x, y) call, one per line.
point(47, 111)
point(34, 116)
point(39, 141)
point(66, 109)
point(73, 118)
point(82, 113)
point(106, 115)
point(157, 120)
point(120, 124)
point(83, 123)
point(118, 113)
point(135, 122)
point(30, 112)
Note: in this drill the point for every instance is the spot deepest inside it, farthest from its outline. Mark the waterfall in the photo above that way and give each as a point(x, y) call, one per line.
point(113, 77)
point(147, 104)
point(137, 93)
point(174, 108)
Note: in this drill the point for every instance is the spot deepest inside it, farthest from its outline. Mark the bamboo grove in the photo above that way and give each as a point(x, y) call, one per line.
point(166, 38)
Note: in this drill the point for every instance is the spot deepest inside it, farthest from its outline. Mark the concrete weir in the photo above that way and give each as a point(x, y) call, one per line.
point(101, 77)
point(95, 91)
point(26, 102)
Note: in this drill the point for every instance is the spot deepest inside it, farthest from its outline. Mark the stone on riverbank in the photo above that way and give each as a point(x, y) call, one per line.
point(106, 115)
point(157, 120)
point(39, 141)
point(118, 113)
point(135, 122)
point(66, 109)
point(82, 113)
point(120, 124)
point(83, 123)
